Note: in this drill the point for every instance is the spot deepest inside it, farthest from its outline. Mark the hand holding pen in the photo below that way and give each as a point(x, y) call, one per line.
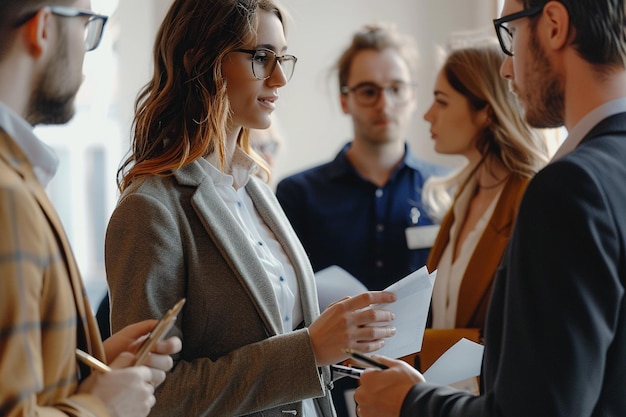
point(381, 392)
point(365, 359)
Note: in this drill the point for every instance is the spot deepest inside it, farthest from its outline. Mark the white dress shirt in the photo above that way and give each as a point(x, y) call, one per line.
point(41, 156)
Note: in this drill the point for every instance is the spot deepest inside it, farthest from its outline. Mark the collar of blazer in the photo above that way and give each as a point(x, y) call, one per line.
point(223, 229)
point(15, 158)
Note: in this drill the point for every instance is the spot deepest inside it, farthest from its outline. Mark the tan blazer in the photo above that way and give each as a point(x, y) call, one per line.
point(477, 281)
point(45, 313)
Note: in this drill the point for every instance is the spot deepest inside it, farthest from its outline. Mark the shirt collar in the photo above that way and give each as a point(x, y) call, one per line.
point(237, 175)
point(341, 166)
point(41, 156)
point(584, 126)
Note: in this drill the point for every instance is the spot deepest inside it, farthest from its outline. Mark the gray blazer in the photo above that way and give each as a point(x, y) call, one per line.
point(172, 237)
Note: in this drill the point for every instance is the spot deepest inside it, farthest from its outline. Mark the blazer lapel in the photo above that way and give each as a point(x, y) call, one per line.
point(14, 156)
point(268, 207)
point(222, 227)
point(271, 212)
point(478, 277)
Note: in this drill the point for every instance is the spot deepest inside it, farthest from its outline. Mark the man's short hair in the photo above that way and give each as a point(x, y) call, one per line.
point(13, 12)
point(600, 29)
point(377, 37)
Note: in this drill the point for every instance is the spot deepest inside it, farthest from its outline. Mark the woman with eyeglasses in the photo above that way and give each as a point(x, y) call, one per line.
point(195, 221)
point(474, 115)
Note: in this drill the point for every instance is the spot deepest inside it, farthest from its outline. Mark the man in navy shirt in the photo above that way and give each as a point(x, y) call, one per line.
point(354, 211)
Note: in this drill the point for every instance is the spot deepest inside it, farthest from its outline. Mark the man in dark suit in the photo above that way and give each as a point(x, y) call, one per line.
point(556, 328)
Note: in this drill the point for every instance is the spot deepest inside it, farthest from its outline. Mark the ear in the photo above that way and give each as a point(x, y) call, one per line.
point(36, 32)
point(483, 117)
point(557, 26)
point(343, 98)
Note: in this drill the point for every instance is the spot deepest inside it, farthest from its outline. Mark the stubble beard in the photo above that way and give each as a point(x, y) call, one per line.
point(52, 99)
point(544, 101)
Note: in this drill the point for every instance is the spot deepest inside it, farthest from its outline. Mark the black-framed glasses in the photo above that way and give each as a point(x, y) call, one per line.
point(505, 36)
point(264, 63)
point(93, 28)
point(367, 94)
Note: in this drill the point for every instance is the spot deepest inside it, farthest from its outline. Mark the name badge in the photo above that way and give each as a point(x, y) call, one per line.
point(421, 237)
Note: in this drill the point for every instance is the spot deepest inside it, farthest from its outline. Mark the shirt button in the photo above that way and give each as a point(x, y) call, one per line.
point(379, 264)
point(380, 227)
point(282, 279)
point(379, 193)
point(260, 243)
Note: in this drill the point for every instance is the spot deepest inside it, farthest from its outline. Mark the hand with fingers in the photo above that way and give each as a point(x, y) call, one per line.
point(382, 392)
point(131, 337)
point(352, 323)
point(126, 390)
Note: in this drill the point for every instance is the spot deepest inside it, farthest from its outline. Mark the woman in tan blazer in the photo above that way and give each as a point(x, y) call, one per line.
point(474, 115)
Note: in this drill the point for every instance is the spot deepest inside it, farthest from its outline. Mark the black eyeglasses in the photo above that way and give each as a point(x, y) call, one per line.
point(93, 28)
point(505, 36)
point(367, 94)
point(264, 63)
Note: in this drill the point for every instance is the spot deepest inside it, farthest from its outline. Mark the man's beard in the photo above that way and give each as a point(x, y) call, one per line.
point(544, 98)
point(52, 100)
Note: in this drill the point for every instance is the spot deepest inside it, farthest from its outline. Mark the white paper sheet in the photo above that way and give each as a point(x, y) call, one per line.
point(460, 362)
point(413, 294)
point(334, 283)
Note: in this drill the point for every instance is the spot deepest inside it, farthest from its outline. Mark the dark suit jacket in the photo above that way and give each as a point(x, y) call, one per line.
point(172, 237)
point(556, 327)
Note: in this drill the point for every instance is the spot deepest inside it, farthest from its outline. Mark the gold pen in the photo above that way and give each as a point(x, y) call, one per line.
point(158, 333)
point(92, 362)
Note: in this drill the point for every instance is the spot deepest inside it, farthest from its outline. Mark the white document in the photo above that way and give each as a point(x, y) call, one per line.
point(460, 362)
point(413, 294)
point(334, 283)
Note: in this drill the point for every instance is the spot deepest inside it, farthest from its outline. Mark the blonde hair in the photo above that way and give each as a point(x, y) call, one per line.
point(474, 72)
point(182, 113)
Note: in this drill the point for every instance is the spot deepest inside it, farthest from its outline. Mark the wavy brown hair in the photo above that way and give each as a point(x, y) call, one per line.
point(182, 113)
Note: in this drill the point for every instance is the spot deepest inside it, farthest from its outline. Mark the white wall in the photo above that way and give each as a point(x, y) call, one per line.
point(309, 113)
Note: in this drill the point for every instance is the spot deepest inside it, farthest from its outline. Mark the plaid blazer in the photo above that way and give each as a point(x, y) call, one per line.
point(45, 313)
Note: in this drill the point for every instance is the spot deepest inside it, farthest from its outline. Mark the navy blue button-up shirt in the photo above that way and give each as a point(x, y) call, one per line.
point(343, 219)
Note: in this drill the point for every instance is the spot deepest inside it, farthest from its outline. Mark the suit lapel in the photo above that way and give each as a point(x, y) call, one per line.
point(267, 207)
point(222, 227)
point(15, 158)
